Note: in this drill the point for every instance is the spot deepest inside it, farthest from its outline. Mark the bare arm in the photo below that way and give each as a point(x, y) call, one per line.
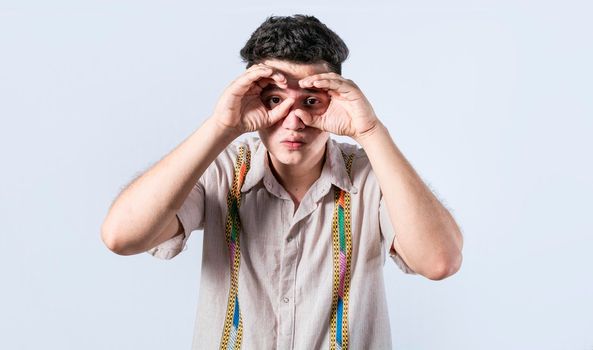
point(144, 214)
point(428, 238)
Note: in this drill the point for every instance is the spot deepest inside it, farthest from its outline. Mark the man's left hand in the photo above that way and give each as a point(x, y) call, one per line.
point(349, 112)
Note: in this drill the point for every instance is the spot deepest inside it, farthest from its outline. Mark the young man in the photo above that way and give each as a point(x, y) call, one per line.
point(297, 226)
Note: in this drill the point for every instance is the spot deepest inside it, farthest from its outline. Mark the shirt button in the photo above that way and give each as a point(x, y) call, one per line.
point(285, 299)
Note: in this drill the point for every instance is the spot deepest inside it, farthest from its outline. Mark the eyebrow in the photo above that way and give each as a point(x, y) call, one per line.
point(273, 87)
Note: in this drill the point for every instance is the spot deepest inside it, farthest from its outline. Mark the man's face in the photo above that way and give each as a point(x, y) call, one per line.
point(289, 141)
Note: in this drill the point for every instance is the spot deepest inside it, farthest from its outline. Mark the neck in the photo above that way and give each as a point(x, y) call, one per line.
point(297, 179)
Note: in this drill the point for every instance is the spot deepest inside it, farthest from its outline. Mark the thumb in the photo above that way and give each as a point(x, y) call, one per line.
point(308, 119)
point(280, 111)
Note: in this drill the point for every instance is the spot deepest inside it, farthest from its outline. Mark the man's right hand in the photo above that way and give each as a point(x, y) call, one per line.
point(144, 214)
point(240, 107)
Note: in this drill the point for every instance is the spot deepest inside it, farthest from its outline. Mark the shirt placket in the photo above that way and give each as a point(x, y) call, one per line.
point(288, 266)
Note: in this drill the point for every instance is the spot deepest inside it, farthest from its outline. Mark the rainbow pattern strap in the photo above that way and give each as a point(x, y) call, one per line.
point(233, 324)
point(342, 251)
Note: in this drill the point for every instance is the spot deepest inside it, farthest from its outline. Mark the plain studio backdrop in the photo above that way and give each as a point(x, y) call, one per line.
point(489, 100)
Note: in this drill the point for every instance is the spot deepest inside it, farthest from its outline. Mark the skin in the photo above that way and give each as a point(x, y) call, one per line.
point(296, 166)
point(428, 238)
point(284, 101)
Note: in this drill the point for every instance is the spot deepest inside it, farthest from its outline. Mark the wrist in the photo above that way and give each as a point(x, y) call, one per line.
point(367, 135)
point(223, 130)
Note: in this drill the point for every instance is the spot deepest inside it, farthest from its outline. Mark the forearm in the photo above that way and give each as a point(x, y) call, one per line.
point(142, 210)
point(427, 234)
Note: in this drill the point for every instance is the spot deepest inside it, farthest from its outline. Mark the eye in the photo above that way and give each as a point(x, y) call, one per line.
point(311, 101)
point(271, 101)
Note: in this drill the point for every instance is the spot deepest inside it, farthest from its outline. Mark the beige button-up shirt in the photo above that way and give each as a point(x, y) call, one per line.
point(285, 275)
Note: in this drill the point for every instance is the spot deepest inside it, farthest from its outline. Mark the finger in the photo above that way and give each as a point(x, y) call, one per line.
point(256, 66)
point(247, 80)
point(276, 78)
point(280, 111)
point(263, 82)
point(331, 75)
point(333, 93)
point(308, 119)
point(261, 78)
point(280, 78)
point(338, 85)
point(327, 75)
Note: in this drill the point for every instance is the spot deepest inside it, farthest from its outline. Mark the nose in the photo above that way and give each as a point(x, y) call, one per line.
point(292, 121)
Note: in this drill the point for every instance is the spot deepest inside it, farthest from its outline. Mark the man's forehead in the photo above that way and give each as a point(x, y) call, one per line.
point(292, 65)
point(296, 70)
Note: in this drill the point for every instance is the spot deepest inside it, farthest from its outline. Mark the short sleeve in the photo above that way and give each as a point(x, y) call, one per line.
point(191, 216)
point(388, 234)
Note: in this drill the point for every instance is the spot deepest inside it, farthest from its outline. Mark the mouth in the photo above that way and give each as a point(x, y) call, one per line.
point(293, 143)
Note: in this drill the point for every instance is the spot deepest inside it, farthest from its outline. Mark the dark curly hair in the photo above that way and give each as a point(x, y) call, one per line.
point(298, 38)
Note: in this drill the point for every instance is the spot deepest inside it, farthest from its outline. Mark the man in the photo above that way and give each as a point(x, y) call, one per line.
point(297, 226)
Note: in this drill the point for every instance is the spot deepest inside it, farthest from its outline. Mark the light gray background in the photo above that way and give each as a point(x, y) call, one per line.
point(489, 100)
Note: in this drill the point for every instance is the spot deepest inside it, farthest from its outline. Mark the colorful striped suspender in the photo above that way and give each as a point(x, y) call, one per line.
point(341, 247)
point(233, 324)
point(342, 251)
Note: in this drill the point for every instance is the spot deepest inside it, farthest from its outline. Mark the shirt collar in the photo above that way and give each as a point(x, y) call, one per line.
point(335, 167)
point(333, 172)
point(257, 166)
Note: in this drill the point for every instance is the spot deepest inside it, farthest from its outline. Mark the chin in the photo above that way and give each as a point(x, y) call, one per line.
point(289, 157)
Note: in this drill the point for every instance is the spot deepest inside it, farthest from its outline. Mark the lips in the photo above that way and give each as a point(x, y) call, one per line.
point(294, 140)
point(293, 143)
